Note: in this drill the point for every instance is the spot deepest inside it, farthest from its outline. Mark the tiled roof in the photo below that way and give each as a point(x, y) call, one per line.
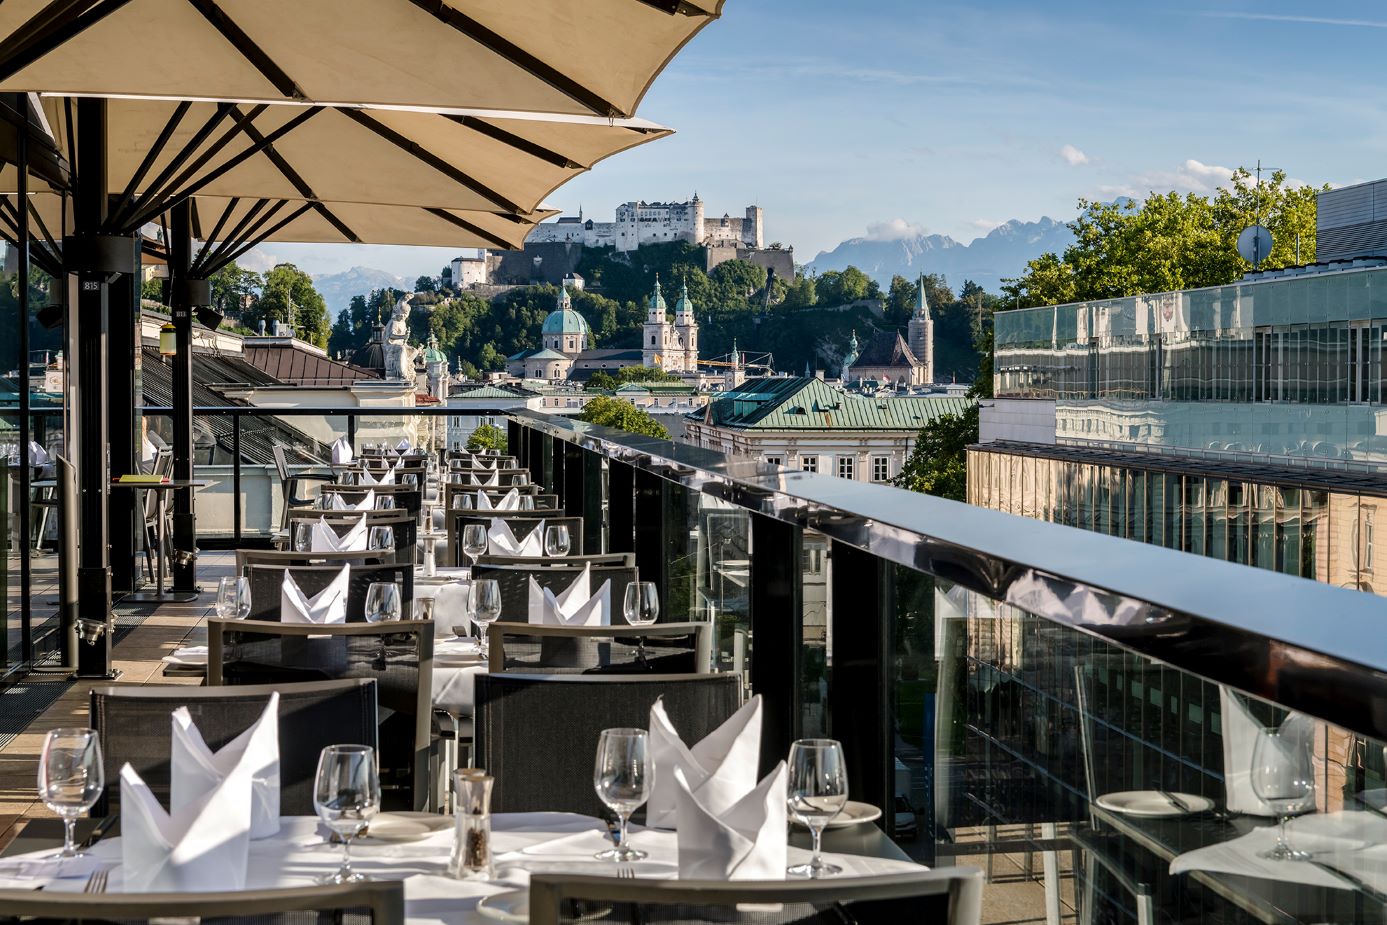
point(611, 353)
point(886, 348)
point(302, 367)
point(793, 403)
point(658, 388)
point(487, 390)
point(546, 354)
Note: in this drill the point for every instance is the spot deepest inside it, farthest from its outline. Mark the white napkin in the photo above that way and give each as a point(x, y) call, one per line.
point(452, 606)
point(501, 541)
point(401, 447)
point(38, 456)
point(147, 450)
point(368, 503)
point(322, 538)
point(202, 847)
point(746, 841)
point(493, 482)
point(719, 770)
point(194, 771)
point(575, 605)
point(386, 478)
point(327, 606)
point(342, 451)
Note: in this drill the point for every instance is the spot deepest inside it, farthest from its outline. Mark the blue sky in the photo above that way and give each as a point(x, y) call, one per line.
point(884, 116)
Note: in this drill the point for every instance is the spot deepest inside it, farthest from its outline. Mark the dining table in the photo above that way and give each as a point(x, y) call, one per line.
point(522, 844)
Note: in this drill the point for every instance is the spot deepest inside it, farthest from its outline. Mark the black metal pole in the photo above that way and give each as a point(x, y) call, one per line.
point(26, 640)
point(185, 294)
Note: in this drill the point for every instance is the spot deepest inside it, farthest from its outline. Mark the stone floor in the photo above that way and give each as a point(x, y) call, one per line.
point(138, 657)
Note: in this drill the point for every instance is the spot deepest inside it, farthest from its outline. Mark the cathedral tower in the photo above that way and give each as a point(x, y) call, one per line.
point(685, 333)
point(921, 334)
point(656, 333)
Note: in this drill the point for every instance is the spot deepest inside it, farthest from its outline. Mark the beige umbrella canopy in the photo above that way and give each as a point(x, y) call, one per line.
point(568, 56)
point(160, 151)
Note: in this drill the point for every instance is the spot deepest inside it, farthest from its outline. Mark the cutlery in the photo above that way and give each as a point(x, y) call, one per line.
point(96, 883)
point(624, 872)
point(100, 830)
point(1175, 801)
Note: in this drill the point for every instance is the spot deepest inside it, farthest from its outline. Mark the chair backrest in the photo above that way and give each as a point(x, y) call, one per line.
point(371, 902)
point(133, 723)
point(514, 582)
point(408, 497)
point(402, 524)
point(288, 557)
point(944, 896)
point(281, 464)
point(661, 648)
point(267, 581)
point(537, 733)
point(596, 560)
point(397, 656)
point(521, 523)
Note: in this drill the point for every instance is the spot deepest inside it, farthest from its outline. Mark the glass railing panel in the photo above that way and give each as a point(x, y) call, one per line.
point(816, 638)
point(711, 581)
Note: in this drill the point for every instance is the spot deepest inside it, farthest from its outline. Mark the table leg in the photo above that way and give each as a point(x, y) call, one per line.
point(158, 595)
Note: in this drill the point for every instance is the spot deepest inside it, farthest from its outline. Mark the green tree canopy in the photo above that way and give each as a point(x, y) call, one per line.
point(234, 290)
point(487, 437)
point(289, 296)
point(622, 415)
point(603, 380)
point(937, 464)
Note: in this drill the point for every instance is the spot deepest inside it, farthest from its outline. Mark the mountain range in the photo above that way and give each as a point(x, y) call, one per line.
point(1000, 253)
point(338, 288)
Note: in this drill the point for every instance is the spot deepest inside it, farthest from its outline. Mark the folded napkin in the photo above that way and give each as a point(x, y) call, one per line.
point(202, 847)
point(195, 771)
point(501, 541)
point(745, 841)
point(401, 447)
point(38, 456)
point(1344, 841)
point(342, 451)
point(493, 482)
point(720, 769)
point(452, 606)
point(327, 606)
point(510, 501)
point(386, 478)
point(187, 655)
point(573, 606)
point(322, 538)
point(367, 503)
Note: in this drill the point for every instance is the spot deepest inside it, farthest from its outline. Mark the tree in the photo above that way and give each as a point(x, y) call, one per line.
point(802, 293)
point(426, 284)
point(938, 463)
point(843, 287)
point(289, 296)
point(601, 381)
point(622, 415)
point(153, 289)
point(487, 437)
point(234, 289)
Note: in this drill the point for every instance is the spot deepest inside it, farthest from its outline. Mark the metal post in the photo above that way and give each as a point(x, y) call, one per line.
point(515, 441)
point(236, 475)
point(351, 432)
point(185, 293)
point(860, 683)
point(26, 641)
point(652, 556)
point(777, 625)
point(574, 502)
point(556, 469)
point(123, 413)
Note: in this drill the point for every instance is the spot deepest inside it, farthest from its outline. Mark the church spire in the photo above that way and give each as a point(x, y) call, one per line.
point(921, 300)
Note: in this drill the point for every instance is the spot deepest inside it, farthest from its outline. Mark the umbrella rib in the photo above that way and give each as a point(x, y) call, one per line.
point(469, 226)
point(243, 120)
point(209, 240)
point(50, 28)
point(336, 222)
point(675, 7)
point(175, 118)
point(428, 157)
point(219, 244)
point(247, 48)
point(201, 135)
point(239, 252)
point(518, 56)
point(38, 219)
point(515, 141)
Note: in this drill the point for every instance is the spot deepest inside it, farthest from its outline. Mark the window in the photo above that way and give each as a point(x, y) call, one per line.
point(776, 460)
point(809, 463)
point(847, 467)
point(881, 468)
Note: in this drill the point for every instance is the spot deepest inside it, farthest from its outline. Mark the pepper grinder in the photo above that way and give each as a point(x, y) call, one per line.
point(471, 825)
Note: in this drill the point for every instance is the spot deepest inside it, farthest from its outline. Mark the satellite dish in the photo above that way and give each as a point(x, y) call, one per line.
point(1254, 244)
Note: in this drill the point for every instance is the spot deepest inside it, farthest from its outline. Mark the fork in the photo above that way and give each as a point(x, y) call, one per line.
point(624, 872)
point(96, 883)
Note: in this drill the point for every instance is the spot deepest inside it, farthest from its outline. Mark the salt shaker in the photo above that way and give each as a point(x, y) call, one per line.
point(471, 825)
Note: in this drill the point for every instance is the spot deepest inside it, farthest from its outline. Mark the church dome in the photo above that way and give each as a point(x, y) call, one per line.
point(372, 355)
point(564, 321)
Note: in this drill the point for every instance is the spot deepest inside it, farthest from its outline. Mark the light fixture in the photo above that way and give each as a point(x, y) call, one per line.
point(209, 317)
point(168, 340)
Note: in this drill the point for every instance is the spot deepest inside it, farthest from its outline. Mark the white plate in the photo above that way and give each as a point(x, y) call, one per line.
point(853, 813)
point(1154, 803)
point(510, 906)
point(406, 827)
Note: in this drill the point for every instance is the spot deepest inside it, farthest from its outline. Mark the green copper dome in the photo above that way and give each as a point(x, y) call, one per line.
point(564, 320)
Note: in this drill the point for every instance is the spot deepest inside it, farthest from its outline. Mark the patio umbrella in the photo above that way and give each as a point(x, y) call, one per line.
point(505, 163)
point(594, 56)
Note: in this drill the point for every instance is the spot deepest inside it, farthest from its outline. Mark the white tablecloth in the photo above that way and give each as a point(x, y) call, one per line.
point(523, 843)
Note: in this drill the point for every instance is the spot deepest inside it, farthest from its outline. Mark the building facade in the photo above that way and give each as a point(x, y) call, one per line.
point(671, 346)
point(890, 360)
point(809, 425)
point(640, 223)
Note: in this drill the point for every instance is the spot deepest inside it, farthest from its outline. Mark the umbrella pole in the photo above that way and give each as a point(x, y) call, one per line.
point(185, 294)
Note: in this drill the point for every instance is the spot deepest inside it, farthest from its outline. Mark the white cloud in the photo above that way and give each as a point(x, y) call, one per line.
point(1073, 156)
point(895, 229)
point(1308, 20)
point(1190, 177)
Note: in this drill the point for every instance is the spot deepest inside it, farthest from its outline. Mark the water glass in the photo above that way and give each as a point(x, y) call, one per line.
point(556, 542)
point(382, 602)
point(527, 502)
point(642, 603)
point(1283, 777)
point(520, 479)
point(303, 536)
point(381, 539)
point(462, 501)
point(71, 778)
point(346, 796)
point(227, 597)
point(242, 598)
point(486, 606)
point(385, 502)
point(474, 541)
point(623, 777)
point(817, 791)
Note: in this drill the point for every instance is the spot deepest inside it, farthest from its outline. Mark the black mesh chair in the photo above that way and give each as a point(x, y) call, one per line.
point(267, 581)
point(289, 483)
point(945, 896)
point(537, 733)
point(401, 523)
point(514, 582)
point(407, 497)
point(134, 726)
point(661, 648)
point(284, 558)
point(372, 902)
point(596, 560)
point(521, 523)
point(397, 656)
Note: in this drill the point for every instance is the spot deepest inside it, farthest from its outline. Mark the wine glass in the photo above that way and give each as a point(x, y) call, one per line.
point(303, 536)
point(641, 607)
point(556, 541)
point(382, 601)
point(486, 606)
point(227, 593)
point(527, 502)
point(1283, 777)
point(346, 796)
point(381, 539)
point(71, 778)
point(385, 501)
point(242, 598)
point(463, 501)
point(818, 790)
point(474, 541)
point(623, 777)
point(520, 479)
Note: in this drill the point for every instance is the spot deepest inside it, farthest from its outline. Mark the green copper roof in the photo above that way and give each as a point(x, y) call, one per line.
point(793, 403)
point(564, 321)
point(657, 301)
point(684, 306)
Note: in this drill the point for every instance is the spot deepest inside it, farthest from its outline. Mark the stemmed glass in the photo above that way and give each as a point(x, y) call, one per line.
point(71, 778)
point(486, 606)
point(623, 777)
point(527, 502)
point(381, 539)
point(382, 602)
point(385, 501)
point(556, 542)
point(1283, 777)
point(641, 607)
point(474, 541)
point(346, 796)
point(462, 502)
point(303, 536)
point(818, 790)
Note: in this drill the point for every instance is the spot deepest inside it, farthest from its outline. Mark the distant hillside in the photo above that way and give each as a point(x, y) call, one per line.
point(338, 288)
point(1002, 252)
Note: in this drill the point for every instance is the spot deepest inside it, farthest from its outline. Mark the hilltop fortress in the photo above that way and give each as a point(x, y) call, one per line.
point(640, 223)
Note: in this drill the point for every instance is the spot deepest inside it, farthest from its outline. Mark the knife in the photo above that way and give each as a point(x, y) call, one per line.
point(100, 831)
